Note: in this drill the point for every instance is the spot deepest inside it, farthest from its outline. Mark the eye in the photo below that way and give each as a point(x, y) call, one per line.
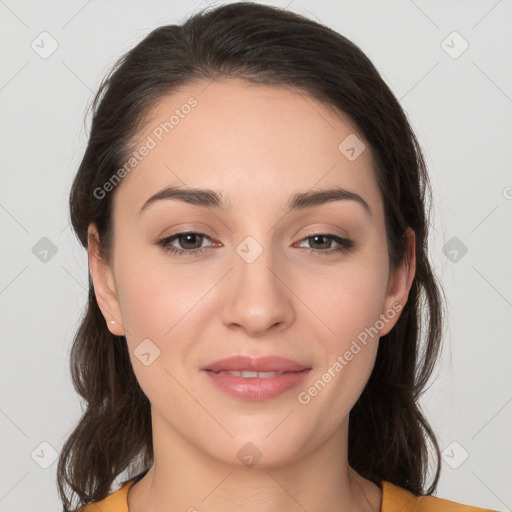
point(191, 243)
point(344, 244)
point(189, 240)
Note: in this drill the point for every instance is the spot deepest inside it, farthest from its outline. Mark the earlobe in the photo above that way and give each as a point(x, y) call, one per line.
point(104, 286)
point(399, 284)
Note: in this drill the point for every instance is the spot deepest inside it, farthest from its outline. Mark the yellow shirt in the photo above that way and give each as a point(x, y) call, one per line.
point(394, 499)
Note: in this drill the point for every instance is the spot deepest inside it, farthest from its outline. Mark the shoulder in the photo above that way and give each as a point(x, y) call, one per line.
point(115, 502)
point(396, 498)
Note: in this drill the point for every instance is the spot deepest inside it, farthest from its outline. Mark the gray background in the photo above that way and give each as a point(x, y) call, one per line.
point(460, 106)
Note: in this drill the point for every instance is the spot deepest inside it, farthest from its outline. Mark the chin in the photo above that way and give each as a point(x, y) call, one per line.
point(259, 451)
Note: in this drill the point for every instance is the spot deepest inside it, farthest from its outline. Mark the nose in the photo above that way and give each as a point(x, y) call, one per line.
point(257, 296)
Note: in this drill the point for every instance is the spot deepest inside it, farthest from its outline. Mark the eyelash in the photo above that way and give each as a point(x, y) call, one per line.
point(346, 245)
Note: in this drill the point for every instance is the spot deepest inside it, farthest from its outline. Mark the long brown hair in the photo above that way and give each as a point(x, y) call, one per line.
point(389, 436)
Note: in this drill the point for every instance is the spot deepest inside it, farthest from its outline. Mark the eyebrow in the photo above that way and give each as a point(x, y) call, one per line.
point(211, 199)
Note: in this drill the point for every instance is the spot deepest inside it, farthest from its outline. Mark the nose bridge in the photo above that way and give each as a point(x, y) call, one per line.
point(258, 299)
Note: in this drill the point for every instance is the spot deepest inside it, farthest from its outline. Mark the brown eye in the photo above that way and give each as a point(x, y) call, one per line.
point(322, 244)
point(320, 241)
point(188, 243)
point(190, 240)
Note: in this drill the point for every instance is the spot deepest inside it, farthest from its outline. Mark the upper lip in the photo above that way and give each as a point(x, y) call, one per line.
point(256, 364)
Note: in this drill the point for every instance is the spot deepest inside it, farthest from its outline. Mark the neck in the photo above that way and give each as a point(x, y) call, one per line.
point(186, 478)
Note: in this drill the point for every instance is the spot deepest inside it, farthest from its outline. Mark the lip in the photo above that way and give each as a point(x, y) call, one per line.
point(256, 388)
point(256, 364)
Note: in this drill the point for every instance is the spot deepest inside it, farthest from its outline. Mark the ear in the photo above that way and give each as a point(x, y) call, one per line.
point(103, 281)
point(399, 285)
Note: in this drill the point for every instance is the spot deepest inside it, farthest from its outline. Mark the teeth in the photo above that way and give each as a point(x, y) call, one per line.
point(261, 375)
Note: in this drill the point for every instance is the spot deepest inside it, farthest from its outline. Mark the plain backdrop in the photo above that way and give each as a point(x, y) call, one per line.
point(448, 63)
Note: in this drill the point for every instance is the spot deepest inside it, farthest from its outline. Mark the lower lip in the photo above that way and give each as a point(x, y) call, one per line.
point(256, 388)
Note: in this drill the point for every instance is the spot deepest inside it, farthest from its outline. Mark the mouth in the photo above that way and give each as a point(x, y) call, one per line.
point(255, 379)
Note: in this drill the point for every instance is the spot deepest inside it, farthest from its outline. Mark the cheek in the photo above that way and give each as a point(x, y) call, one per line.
point(156, 296)
point(159, 305)
point(346, 351)
point(169, 305)
point(349, 302)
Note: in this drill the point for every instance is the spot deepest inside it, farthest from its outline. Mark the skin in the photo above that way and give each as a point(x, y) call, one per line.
point(257, 145)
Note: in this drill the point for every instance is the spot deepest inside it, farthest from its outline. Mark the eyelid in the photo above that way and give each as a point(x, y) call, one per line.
point(331, 229)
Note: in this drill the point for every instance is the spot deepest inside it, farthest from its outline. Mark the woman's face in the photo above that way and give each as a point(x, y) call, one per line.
point(277, 275)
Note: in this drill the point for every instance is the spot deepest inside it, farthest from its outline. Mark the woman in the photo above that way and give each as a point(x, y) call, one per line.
point(252, 200)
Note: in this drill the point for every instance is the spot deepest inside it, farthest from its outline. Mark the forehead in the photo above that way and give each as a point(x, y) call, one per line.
point(255, 143)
